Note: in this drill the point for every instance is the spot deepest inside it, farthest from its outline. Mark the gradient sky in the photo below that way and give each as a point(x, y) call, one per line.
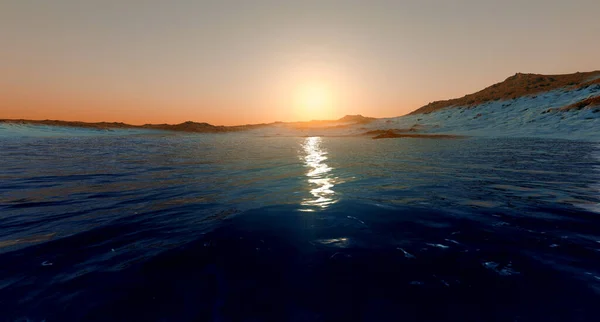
point(237, 62)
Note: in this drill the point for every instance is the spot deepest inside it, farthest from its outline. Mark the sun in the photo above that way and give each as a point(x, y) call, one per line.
point(314, 100)
point(315, 97)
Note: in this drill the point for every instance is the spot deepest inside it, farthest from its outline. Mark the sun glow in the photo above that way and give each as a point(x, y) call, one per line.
point(314, 101)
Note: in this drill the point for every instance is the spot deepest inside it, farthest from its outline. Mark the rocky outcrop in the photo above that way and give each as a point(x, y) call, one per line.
point(591, 103)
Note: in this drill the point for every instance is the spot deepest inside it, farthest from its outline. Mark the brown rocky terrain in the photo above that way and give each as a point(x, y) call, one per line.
point(592, 102)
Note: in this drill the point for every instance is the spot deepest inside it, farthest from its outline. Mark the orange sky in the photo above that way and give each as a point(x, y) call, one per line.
point(237, 62)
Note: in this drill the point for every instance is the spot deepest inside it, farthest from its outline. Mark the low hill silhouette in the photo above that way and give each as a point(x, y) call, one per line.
point(190, 126)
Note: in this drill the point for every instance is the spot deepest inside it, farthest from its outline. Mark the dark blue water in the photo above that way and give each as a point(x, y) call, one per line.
point(233, 228)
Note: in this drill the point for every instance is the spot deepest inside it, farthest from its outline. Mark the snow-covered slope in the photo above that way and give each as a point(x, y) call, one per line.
point(527, 116)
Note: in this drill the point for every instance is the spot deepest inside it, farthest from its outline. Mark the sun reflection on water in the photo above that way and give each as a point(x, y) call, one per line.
point(319, 179)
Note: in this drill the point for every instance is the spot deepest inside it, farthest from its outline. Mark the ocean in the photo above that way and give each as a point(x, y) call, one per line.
point(230, 227)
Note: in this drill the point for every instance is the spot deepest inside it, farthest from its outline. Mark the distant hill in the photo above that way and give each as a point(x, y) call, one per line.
point(523, 106)
point(97, 125)
point(189, 126)
point(356, 119)
point(516, 86)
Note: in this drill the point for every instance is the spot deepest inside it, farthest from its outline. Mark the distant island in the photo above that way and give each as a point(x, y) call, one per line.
point(521, 105)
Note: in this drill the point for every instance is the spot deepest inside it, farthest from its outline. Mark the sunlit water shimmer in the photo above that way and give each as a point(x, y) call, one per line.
point(173, 227)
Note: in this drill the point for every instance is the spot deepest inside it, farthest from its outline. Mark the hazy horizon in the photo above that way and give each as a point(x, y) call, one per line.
point(244, 62)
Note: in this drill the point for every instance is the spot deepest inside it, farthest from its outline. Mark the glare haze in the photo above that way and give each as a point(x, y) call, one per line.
point(238, 62)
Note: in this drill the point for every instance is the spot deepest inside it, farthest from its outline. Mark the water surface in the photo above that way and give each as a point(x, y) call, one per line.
point(175, 227)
